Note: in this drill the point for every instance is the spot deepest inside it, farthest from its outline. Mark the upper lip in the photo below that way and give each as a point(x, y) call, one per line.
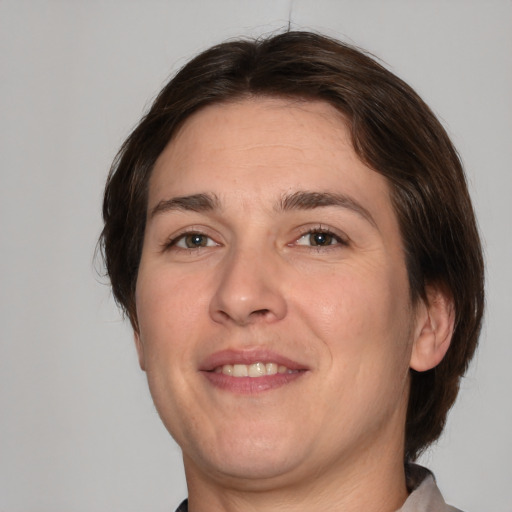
point(248, 356)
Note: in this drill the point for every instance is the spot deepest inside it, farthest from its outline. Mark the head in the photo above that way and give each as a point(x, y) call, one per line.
point(392, 131)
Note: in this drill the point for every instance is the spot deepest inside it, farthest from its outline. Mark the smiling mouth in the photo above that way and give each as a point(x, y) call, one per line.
point(250, 371)
point(258, 369)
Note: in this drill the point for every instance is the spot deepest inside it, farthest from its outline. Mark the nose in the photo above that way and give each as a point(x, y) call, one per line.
point(248, 289)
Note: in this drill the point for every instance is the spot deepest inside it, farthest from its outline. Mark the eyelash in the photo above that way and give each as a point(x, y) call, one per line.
point(339, 240)
point(175, 240)
point(320, 230)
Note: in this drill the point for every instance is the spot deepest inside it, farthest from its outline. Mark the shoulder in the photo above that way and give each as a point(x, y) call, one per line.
point(425, 496)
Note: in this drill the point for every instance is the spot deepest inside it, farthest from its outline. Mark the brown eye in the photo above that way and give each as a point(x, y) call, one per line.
point(193, 241)
point(321, 239)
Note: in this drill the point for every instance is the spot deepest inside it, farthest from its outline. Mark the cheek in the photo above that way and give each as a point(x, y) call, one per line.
point(361, 314)
point(169, 310)
point(346, 302)
point(364, 326)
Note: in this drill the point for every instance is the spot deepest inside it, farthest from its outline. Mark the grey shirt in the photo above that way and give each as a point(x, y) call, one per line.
point(425, 495)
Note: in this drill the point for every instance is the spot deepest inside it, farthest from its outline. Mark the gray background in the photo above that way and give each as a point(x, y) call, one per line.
point(78, 431)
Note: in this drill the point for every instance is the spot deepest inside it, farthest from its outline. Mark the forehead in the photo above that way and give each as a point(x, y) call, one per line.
point(262, 136)
point(258, 146)
point(259, 118)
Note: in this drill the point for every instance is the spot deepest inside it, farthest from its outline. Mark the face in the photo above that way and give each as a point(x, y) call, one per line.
point(275, 324)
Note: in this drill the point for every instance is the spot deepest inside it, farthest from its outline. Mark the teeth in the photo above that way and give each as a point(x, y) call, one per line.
point(258, 369)
point(227, 369)
point(240, 370)
point(271, 368)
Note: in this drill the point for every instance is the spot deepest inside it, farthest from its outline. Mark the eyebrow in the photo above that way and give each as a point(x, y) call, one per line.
point(301, 200)
point(192, 203)
point(304, 200)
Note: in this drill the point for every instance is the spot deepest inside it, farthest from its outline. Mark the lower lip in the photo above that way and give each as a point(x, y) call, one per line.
point(251, 385)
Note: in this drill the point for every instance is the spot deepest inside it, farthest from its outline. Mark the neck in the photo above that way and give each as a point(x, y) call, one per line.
point(371, 485)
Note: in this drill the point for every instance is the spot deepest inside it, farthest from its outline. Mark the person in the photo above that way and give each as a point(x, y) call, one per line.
point(290, 233)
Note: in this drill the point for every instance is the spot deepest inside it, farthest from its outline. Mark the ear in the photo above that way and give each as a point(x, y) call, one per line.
point(434, 329)
point(140, 350)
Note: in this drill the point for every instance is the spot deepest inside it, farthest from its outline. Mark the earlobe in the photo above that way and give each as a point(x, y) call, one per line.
point(140, 350)
point(434, 329)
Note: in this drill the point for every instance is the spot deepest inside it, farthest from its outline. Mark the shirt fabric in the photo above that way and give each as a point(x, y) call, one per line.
point(424, 494)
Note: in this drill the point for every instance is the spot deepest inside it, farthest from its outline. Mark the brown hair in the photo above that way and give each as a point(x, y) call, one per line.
point(393, 132)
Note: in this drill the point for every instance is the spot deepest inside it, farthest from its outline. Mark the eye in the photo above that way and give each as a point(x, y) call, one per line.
point(193, 241)
point(320, 238)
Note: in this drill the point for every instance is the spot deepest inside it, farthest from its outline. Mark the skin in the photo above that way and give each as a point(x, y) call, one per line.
point(254, 283)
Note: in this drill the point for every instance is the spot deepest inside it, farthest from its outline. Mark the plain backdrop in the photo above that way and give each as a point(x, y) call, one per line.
point(78, 430)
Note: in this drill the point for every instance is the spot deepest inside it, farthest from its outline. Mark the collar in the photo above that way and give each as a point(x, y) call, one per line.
point(424, 494)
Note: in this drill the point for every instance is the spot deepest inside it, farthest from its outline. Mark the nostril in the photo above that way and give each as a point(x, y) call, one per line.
point(261, 312)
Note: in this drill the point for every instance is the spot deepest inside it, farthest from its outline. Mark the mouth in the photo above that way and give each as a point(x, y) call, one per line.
point(250, 371)
point(254, 370)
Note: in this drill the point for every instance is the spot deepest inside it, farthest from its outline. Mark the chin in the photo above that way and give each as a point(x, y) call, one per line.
point(260, 473)
point(260, 459)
